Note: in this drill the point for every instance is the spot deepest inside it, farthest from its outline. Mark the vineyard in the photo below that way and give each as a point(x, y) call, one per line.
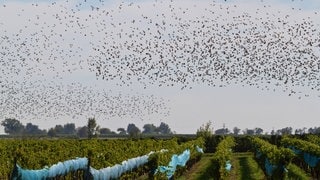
point(215, 157)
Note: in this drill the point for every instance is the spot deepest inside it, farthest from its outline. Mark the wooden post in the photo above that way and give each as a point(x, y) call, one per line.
point(14, 172)
point(87, 174)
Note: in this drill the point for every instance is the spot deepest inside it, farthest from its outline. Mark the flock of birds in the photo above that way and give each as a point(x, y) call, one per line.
point(76, 101)
point(220, 46)
point(162, 43)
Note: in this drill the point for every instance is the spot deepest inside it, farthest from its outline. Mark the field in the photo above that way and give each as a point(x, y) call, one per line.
point(224, 157)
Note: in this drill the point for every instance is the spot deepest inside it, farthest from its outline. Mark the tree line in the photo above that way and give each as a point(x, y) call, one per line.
point(92, 129)
point(260, 131)
point(207, 129)
point(15, 127)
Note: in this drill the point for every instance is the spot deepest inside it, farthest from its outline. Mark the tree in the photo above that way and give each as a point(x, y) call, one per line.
point(278, 132)
point(258, 131)
point(82, 131)
point(12, 126)
point(315, 130)
point(311, 131)
point(149, 129)
point(121, 131)
point(301, 131)
point(69, 128)
point(236, 131)
point(286, 131)
point(33, 129)
point(59, 129)
point(205, 130)
point(106, 131)
point(92, 128)
point(249, 131)
point(133, 130)
point(222, 131)
point(52, 132)
point(273, 132)
point(164, 128)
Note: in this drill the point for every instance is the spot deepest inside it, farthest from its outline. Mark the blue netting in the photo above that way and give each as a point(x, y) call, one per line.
point(311, 160)
point(117, 170)
point(26, 174)
point(269, 167)
point(176, 160)
point(228, 165)
point(200, 150)
point(258, 154)
point(295, 150)
point(167, 169)
point(65, 167)
point(59, 169)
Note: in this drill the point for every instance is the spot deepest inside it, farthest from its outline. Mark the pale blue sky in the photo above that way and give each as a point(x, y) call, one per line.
point(233, 105)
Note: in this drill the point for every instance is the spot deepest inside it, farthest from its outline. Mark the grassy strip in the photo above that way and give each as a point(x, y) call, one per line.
point(200, 170)
point(244, 167)
point(235, 172)
point(249, 168)
point(294, 172)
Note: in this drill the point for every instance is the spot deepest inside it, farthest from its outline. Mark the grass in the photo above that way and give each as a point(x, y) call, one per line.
point(235, 172)
point(248, 167)
point(294, 172)
point(201, 170)
point(244, 167)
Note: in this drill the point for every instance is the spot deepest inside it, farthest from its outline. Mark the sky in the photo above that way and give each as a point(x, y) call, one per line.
point(65, 61)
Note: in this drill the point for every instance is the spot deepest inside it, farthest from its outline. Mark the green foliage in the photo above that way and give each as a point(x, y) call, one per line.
point(243, 143)
point(133, 130)
point(313, 139)
point(122, 131)
point(149, 129)
point(205, 130)
point(36, 153)
point(236, 131)
point(294, 172)
point(164, 128)
point(12, 126)
point(32, 129)
point(52, 132)
point(280, 157)
point(221, 156)
point(163, 158)
point(275, 155)
point(105, 131)
point(69, 128)
point(82, 132)
point(249, 168)
point(92, 128)
point(302, 145)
